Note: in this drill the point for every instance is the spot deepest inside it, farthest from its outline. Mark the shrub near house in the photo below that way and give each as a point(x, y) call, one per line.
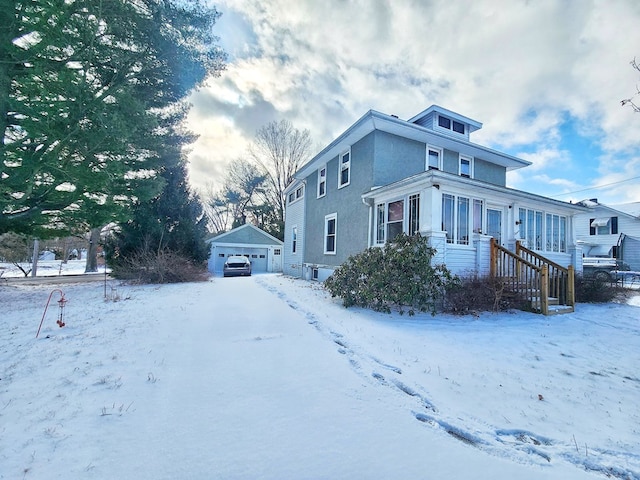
point(398, 275)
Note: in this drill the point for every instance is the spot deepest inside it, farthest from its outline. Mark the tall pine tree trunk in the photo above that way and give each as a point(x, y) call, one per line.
point(8, 32)
point(92, 252)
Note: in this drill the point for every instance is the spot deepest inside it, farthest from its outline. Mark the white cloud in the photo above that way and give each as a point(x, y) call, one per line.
point(522, 68)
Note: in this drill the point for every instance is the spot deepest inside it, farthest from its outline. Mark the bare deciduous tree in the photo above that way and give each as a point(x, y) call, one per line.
point(631, 101)
point(242, 194)
point(216, 209)
point(280, 149)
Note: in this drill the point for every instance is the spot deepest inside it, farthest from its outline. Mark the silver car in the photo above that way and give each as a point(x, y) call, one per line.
point(237, 265)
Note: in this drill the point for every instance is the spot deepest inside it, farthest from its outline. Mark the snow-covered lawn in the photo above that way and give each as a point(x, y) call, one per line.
point(268, 377)
point(46, 268)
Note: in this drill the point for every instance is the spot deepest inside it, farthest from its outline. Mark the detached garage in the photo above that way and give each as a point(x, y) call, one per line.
point(263, 250)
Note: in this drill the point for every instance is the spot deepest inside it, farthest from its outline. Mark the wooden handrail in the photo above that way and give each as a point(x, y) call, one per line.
point(533, 276)
point(520, 247)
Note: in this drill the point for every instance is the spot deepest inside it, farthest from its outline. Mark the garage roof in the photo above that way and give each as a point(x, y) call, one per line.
point(246, 234)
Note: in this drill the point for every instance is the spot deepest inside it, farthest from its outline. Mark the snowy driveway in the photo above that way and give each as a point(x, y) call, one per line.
point(265, 377)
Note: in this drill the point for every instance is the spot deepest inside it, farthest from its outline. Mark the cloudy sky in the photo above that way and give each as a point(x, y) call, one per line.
point(544, 77)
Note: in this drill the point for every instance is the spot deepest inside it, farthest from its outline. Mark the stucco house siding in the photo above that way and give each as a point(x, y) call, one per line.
point(395, 157)
point(351, 214)
point(490, 173)
point(450, 162)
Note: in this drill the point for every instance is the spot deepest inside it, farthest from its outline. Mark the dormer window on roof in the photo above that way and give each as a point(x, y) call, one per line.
point(445, 121)
point(450, 124)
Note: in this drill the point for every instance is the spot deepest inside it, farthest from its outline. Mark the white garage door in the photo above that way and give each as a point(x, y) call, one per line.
point(257, 257)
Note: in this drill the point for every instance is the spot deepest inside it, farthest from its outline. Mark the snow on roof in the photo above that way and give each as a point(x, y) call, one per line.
point(632, 208)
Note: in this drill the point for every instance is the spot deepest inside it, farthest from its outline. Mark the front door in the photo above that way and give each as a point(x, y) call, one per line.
point(494, 224)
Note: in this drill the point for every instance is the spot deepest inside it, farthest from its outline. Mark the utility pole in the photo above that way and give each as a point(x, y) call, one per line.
point(34, 261)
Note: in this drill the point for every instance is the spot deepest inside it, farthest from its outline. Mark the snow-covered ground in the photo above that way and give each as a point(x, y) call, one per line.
point(267, 377)
point(46, 268)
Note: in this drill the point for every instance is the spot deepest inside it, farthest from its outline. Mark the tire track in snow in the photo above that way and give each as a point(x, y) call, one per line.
point(515, 444)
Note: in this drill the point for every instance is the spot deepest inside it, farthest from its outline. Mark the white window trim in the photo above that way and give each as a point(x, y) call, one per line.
point(331, 216)
point(470, 220)
point(465, 127)
point(440, 155)
point(406, 199)
point(294, 242)
point(471, 165)
point(321, 181)
point(340, 169)
point(296, 197)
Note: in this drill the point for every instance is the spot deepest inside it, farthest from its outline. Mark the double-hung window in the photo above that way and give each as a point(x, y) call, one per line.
point(344, 170)
point(398, 216)
point(395, 219)
point(466, 166)
point(330, 233)
point(434, 158)
point(322, 181)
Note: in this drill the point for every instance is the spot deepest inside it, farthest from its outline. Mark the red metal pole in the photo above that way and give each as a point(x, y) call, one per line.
point(47, 306)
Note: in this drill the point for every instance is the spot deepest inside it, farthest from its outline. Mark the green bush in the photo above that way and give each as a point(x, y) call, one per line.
point(399, 275)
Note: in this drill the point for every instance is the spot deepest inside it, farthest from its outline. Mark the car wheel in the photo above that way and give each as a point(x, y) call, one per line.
point(603, 276)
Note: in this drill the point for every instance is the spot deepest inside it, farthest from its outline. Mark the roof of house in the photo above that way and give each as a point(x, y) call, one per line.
point(631, 209)
point(373, 120)
point(246, 234)
point(439, 177)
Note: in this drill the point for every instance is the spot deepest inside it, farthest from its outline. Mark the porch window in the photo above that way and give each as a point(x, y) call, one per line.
point(414, 214)
point(463, 221)
point(556, 233)
point(448, 215)
point(380, 223)
point(531, 232)
point(457, 218)
point(392, 219)
point(344, 172)
point(477, 216)
point(395, 219)
point(330, 234)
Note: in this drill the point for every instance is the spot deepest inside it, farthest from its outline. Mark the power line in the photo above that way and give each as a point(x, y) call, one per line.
point(595, 188)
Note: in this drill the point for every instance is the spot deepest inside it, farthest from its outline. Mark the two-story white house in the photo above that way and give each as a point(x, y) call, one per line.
point(384, 175)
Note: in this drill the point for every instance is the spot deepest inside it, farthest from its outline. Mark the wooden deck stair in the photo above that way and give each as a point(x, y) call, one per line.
point(546, 286)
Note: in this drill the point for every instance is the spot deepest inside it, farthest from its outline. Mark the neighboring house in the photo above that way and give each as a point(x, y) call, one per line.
point(263, 250)
point(384, 175)
point(610, 231)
